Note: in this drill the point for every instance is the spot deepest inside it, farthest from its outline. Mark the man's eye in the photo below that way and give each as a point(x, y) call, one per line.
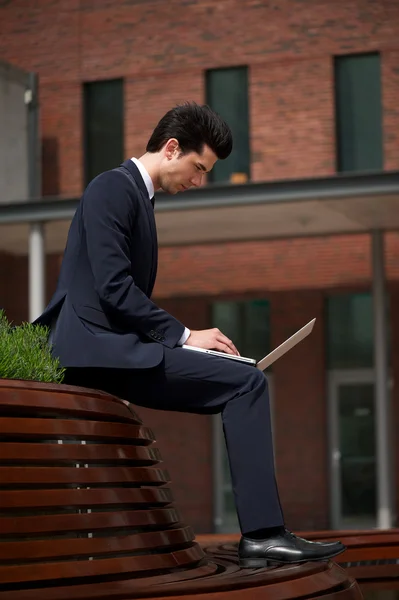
point(199, 168)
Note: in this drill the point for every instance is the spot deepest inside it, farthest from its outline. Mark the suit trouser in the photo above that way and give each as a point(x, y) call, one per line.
point(199, 383)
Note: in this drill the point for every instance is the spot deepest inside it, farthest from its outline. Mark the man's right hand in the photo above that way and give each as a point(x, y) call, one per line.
point(212, 339)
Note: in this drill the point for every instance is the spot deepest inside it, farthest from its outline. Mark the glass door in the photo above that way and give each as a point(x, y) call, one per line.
point(353, 481)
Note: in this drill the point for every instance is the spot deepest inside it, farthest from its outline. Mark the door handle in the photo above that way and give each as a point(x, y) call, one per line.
point(336, 456)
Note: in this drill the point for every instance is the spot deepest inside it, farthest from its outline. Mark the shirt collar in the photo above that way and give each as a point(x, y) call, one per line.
point(146, 177)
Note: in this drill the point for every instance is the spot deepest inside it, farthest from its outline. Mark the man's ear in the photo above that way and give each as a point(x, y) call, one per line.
point(172, 148)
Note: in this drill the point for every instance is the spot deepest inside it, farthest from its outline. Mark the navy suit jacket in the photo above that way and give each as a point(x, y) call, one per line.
point(105, 317)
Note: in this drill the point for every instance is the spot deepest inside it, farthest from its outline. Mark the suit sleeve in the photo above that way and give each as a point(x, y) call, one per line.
point(109, 207)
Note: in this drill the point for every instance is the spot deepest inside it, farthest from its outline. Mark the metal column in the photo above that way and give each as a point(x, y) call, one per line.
point(217, 472)
point(37, 254)
point(36, 270)
point(383, 418)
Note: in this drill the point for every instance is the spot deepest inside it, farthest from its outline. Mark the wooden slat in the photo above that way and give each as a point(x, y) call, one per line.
point(88, 522)
point(10, 476)
point(316, 580)
point(372, 541)
point(376, 573)
point(366, 554)
point(122, 589)
point(103, 566)
point(55, 389)
point(350, 533)
point(87, 453)
point(68, 404)
point(39, 550)
point(64, 429)
point(263, 591)
point(83, 498)
point(351, 591)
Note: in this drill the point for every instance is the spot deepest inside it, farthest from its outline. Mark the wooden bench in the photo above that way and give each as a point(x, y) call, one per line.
point(372, 557)
point(86, 512)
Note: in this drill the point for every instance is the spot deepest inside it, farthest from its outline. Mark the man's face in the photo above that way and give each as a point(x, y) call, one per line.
point(179, 171)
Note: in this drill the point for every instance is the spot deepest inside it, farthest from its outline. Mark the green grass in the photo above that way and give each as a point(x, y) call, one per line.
point(25, 353)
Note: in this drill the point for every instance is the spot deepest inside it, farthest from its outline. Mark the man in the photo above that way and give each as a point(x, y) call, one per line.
point(109, 334)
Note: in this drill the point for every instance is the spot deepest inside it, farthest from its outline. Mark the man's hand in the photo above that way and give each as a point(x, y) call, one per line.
point(212, 339)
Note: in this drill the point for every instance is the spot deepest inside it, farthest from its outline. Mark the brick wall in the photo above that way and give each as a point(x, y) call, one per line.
point(147, 98)
point(162, 49)
point(250, 267)
point(293, 121)
point(14, 287)
point(390, 107)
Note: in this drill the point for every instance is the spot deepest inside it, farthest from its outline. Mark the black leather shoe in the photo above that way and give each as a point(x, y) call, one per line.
point(284, 548)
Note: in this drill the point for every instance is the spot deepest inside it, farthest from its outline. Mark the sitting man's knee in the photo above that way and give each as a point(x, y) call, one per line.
point(258, 379)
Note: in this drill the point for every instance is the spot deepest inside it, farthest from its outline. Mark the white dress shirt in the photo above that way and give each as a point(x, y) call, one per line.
point(146, 176)
point(150, 189)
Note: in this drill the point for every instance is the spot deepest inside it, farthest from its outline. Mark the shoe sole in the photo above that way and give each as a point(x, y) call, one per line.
point(262, 563)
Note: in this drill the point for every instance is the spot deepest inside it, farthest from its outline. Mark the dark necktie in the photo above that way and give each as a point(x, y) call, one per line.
point(152, 201)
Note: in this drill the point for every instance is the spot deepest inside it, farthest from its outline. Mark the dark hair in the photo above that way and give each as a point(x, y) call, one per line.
point(193, 126)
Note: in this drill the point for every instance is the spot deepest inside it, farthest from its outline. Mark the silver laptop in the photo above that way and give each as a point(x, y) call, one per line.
point(269, 358)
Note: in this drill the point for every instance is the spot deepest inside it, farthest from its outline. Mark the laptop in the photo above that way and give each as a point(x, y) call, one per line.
point(269, 358)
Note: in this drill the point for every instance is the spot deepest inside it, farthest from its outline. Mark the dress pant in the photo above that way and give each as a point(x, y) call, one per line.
point(196, 382)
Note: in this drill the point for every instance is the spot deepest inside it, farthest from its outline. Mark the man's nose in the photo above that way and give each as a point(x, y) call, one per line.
point(196, 180)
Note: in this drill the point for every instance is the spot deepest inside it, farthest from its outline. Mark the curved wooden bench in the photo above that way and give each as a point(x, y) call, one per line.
point(86, 512)
point(372, 556)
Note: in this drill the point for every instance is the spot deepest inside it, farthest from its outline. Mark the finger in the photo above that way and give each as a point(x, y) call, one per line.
point(225, 340)
point(221, 347)
point(224, 348)
point(230, 344)
point(235, 349)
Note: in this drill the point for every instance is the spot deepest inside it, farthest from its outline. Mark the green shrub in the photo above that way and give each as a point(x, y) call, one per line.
point(25, 353)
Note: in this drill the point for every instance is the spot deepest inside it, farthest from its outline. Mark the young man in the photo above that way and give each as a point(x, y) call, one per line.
point(111, 336)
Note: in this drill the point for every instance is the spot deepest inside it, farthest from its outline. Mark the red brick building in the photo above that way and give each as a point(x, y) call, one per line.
point(311, 88)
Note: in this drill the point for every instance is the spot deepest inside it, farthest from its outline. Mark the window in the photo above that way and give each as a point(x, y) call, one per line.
point(358, 113)
point(103, 126)
point(350, 331)
point(227, 94)
point(247, 323)
point(350, 339)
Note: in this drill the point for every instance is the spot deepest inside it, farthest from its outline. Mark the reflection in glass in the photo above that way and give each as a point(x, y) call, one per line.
point(357, 448)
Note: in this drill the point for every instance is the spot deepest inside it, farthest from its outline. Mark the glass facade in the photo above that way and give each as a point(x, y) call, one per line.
point(103, 126)
point(247, 323)
point(350, 338)
point(358, 112)
point(350, 367)
point(227, 94)
point(358, 482)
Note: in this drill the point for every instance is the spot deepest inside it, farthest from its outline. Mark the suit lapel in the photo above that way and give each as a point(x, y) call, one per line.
point(135, 173)
point(154, 237)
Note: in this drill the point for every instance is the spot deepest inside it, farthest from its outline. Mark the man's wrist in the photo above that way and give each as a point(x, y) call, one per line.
point(184, 337)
